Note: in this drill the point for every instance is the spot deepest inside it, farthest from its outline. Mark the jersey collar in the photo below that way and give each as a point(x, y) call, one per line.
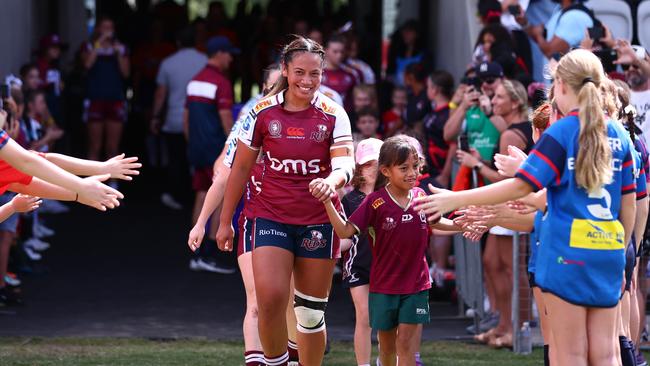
point(408, 204)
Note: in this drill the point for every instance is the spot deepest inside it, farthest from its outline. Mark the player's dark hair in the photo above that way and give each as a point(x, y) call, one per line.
point(394, 151)
point(298, 45)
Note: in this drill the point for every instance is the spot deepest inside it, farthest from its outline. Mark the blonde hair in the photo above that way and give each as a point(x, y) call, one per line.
point(517, 93)
point(582, 71)
point(609, 95)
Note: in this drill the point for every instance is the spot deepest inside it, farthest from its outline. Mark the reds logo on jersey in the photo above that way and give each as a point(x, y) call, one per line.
point(320, 134)
point(316, 241)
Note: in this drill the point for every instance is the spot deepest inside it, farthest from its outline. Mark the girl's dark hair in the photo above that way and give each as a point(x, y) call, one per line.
point(298, 45)
point(444, 81)
point(499, 32)
point(357, 179)
point(266, 72)
point(394, 151)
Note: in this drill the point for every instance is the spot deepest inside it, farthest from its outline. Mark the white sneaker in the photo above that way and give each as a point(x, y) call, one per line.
point(202, 265)
point(32, 254)
point(41, 231)
point(37, 244)
point(11, 281)
point(53, 207)
point(170, 202)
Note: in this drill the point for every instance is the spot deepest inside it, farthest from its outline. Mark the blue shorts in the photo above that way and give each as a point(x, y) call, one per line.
point(304, 241)
point(11, 223)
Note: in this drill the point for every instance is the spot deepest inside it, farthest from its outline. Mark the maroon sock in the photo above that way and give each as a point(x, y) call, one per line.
point(292, 348)
point(254, 358)
point(281, 360)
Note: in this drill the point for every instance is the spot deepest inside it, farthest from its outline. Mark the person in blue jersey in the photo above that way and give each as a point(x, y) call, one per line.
point(585, 163)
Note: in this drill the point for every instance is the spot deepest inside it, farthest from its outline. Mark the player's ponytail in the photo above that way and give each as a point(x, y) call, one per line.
point(582, 71)
point(299, 44)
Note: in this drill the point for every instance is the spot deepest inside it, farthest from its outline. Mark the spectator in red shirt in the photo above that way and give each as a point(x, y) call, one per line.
point(393, 119)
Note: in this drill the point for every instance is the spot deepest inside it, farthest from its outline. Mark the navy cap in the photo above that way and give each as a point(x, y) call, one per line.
point(220, 43)
point(488, 69)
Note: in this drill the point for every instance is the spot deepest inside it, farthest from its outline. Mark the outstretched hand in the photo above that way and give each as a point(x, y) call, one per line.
point(438, 203)
point(507, 165)
point(25, 203)
point(120, 167)
point(98, 195)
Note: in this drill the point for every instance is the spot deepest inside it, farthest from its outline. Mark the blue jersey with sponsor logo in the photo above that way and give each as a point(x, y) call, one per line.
point(581, 256)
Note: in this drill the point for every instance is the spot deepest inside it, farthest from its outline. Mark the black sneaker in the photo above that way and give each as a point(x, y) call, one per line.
point(10, 297)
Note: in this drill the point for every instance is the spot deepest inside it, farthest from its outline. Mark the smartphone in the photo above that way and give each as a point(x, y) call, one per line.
point(514, 10)
point(463, 142)
point(596, 33)
point(607, 58)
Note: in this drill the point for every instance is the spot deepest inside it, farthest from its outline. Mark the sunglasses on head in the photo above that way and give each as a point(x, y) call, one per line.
point(489, 79)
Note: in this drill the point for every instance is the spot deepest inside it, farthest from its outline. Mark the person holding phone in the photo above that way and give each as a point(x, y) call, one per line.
point(107, 63)
point(564, 30)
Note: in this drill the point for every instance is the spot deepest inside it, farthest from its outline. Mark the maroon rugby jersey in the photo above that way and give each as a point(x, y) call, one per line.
point(399, 239)
point(296, 149)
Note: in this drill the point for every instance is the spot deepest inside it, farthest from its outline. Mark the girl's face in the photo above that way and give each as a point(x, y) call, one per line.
point(273, 77)
point(367, 126)
point(560, 91)
point(399, 99)
point(502, 105)
point(303, 74)
point(403, 176)
point(361, 99)
point(488, 40)
point(369, 170)
point(32, 79)
point(38, 105)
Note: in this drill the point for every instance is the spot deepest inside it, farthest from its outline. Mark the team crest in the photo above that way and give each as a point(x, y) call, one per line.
point(389, 224)
point(320, 134)
point(275, 128)
point(378, 202)
point(315, 242)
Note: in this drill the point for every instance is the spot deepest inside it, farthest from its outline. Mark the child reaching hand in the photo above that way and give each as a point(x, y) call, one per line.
point(399, 274)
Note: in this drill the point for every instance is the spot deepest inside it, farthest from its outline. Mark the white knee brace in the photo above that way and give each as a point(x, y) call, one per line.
point(310, 312)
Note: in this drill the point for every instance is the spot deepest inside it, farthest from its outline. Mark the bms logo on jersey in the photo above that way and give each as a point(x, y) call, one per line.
point(295, 166)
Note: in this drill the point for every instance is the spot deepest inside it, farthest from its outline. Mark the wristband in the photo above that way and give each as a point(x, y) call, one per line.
point(479, 166)
point(453, 105)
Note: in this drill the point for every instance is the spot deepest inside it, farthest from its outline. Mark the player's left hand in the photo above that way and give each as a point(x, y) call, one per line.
point(322, 189)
